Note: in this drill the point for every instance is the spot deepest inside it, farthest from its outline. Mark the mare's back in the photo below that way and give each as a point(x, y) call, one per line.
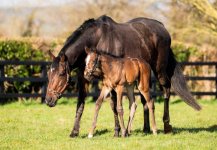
point(137, 38)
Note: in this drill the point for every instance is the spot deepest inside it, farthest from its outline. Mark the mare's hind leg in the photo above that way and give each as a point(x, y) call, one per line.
point(164, 80)
point(132, 105)
point(98, 105)
point(146, 128)
point(165, 84)
point(166, 116)
point(113, 103)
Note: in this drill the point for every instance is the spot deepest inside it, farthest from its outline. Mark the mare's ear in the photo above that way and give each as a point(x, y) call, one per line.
point(62, 63)
point(62, 57)
point(51, 55)
point(87, 49)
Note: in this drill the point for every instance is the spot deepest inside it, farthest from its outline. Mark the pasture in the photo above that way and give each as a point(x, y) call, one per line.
point(30, 125)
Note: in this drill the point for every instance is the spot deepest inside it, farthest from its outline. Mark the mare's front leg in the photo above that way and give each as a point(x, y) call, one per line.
point(119, 91)
point(113, 103)
point(80, 104)
point(103, 94)
point(146, 127)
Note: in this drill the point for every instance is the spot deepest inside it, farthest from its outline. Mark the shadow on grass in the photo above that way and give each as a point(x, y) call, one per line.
point(212, 128)
point(140, 131)
point(97, 133)
point(176, 101)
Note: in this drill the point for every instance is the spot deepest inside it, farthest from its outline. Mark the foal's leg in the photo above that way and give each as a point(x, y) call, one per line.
point(144, 89)
point(113, 103)
point(98, 104)
point(119, 91)
point(133, 105)
point(151, 107)
point(80, 104)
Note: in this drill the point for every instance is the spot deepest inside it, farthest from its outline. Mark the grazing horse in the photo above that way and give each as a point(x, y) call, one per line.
point(118, 73)
point(138, 38)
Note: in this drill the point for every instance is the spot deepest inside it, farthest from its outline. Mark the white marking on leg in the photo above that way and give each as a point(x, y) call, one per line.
point(90, 136)
point(106, 92)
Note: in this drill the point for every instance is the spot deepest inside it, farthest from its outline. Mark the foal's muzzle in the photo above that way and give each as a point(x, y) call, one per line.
point(88, 76)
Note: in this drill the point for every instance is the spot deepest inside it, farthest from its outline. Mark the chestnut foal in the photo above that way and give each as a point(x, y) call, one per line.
point(118, 73)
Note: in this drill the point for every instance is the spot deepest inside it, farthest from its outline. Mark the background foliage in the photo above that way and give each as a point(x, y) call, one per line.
point(21, 50)
point(28, 32)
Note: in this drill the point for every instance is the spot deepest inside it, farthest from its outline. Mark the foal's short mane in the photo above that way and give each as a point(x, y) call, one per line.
point(78, 32)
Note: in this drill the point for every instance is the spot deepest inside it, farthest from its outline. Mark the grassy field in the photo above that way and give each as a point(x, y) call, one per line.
point(30, 125)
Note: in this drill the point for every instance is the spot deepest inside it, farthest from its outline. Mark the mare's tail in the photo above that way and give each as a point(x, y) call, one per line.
point(178, 82)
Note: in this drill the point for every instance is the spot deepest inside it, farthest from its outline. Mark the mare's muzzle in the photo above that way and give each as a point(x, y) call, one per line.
point(51, 101)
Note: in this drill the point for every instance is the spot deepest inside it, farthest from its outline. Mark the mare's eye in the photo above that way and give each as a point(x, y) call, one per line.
point(62, 73)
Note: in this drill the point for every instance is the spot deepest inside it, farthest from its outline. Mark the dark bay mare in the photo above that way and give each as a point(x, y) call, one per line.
point(118, 73)
point(138, 38)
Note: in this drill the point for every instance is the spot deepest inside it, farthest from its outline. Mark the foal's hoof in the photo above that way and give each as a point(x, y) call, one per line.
point(73, 135)
point(125, 134)
point(90, 136)
point(168, 129)
point(116, 134)
point(155, 132)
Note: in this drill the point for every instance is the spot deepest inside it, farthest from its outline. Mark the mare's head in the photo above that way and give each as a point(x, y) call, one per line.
point(92, 68)
point(58, 78)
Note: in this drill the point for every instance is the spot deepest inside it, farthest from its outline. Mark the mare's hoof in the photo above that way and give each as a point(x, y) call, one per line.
point(146, 130)
point(73, 135)
point(168, 129)
point(117, 131)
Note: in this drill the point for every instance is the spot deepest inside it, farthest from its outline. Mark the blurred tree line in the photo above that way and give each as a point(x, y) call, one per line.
point(191, 23)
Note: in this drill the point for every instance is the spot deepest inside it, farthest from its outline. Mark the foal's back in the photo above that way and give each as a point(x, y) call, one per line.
point(129, 70)
point(136, 69)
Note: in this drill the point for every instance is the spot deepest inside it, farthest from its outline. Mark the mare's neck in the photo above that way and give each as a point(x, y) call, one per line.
point(74, 48)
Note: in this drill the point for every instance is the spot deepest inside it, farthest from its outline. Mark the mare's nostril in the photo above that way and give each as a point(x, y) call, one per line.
point(48, 100)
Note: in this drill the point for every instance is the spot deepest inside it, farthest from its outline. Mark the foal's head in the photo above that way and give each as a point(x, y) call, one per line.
point(92, 68)
point(58, 79)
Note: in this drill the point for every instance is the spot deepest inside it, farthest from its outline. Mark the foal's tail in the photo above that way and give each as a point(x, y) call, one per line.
point(179, 84)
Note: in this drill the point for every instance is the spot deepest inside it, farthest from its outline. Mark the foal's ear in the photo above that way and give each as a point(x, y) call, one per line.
point(51, 55)
point(87, 49)
point(62, 57)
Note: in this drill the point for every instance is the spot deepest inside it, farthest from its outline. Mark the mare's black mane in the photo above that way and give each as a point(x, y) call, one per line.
point(78, 32)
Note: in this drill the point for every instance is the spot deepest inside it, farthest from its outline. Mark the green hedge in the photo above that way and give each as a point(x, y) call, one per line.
point(183, 52)
point(20, 50)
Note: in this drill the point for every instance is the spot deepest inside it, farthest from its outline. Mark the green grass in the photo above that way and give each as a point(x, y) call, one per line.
point(30, 125)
